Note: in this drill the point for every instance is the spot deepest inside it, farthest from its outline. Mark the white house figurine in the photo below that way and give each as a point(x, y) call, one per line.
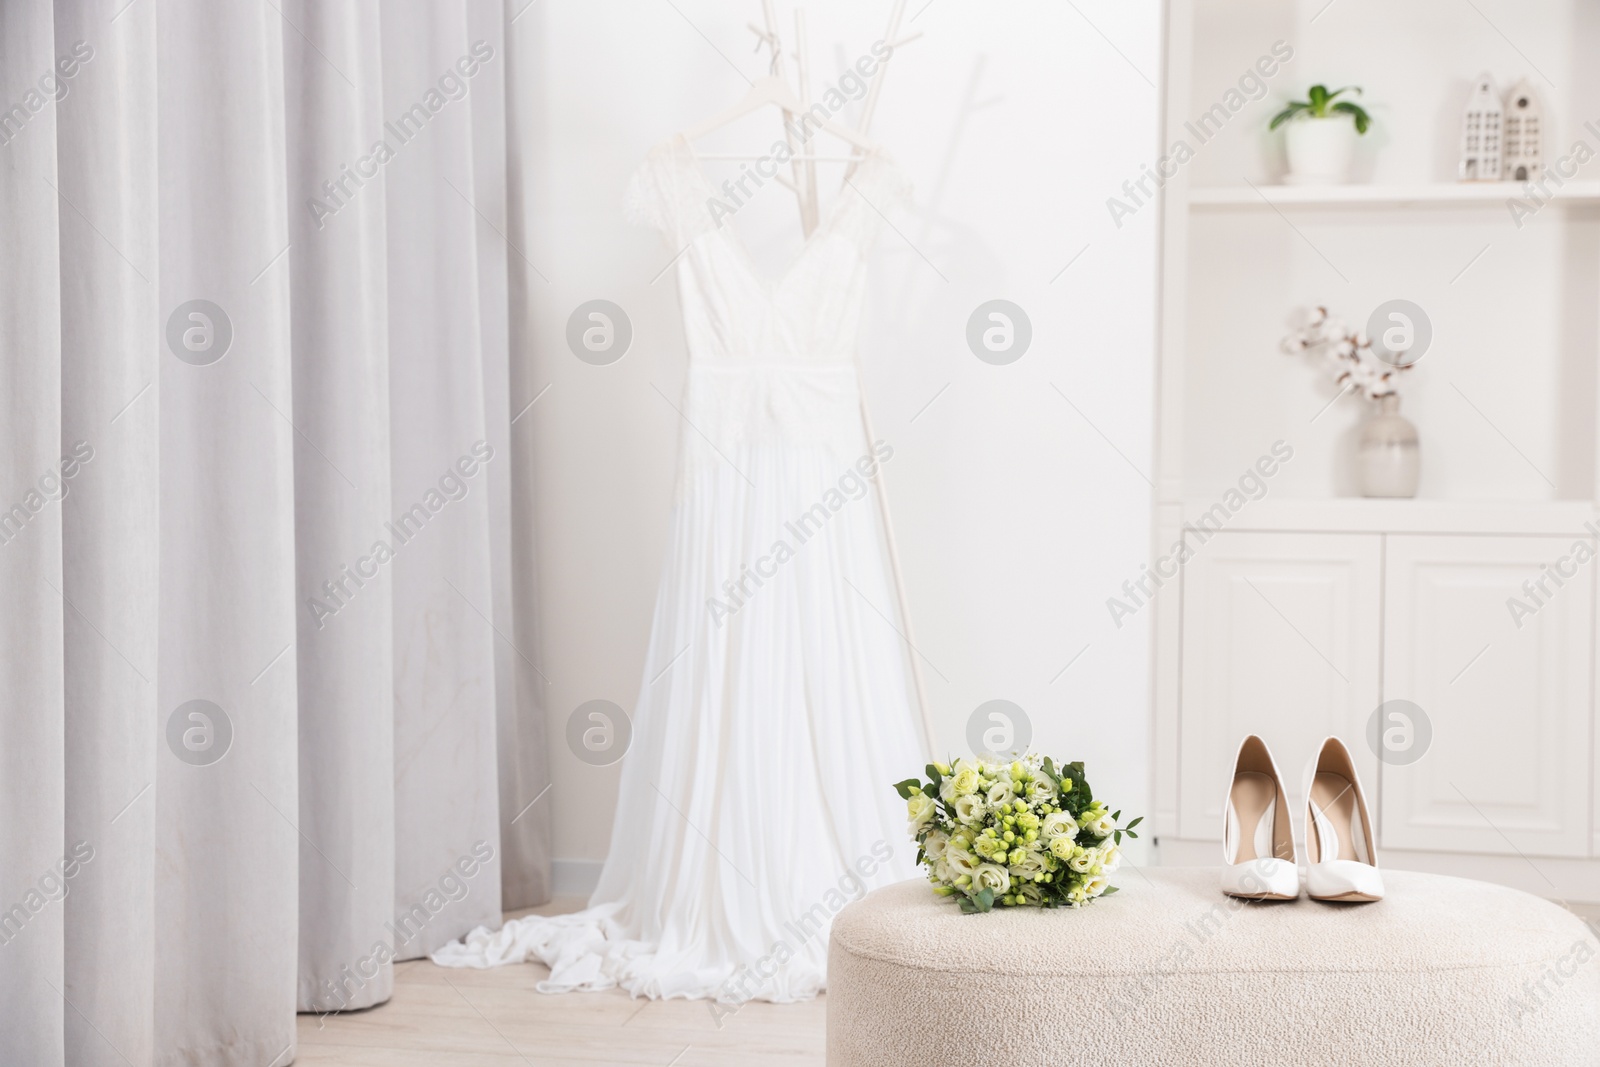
point(1480, 133)
point(1523, 134)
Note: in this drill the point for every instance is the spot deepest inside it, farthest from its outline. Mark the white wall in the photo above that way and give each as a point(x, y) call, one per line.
point(1016, 518)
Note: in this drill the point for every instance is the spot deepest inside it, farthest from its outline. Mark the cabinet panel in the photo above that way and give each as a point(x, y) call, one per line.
point(1507, 768)
point(1280, 638)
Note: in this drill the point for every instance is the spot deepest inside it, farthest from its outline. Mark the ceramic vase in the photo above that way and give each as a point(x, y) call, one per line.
point(1388, 460)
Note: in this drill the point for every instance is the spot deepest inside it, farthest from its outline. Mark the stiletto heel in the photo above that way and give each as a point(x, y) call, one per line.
point(1258, 861)
point(1341, 856)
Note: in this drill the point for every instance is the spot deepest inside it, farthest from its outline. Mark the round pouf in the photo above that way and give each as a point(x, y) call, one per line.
point(1169, 971)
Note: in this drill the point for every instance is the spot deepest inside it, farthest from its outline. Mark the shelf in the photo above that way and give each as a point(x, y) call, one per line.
point(1364, 515)
point(1439, 194)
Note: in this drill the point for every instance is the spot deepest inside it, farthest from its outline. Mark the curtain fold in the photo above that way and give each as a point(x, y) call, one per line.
point(109, 280)
point(227, 848)
point(338, 267)
point(445, 792)
point(269, 689)
point(32, 744)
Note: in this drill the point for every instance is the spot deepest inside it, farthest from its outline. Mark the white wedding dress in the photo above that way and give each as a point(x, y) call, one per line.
point(774, 713)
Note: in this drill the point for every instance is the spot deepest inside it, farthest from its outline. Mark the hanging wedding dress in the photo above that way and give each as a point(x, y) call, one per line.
point(774, 712)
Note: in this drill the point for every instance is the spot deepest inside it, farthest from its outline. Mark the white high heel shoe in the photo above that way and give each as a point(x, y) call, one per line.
point(1341, 858)
point(1258, 833)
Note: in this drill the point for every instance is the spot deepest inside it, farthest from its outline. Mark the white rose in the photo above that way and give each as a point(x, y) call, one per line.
point(934, 844)
point(1001, 793)
point(1062, 847)
point(959, 861)
point(964, 782)
point(970, 809)
point(920, 812)
point(1056, 824)
point(992, 876)
point(1040, 790)
point(1032, 864)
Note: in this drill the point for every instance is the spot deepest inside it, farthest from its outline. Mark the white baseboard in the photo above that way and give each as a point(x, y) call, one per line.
point(574, 878)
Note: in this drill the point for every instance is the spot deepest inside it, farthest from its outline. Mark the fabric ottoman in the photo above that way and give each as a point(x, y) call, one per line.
point(1443, 971)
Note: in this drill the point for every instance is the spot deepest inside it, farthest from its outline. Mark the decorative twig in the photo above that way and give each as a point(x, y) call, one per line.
point(1350, 355)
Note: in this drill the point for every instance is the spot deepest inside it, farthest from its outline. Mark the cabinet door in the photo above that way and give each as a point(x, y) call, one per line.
point(1280, 638)
point(1507, 768)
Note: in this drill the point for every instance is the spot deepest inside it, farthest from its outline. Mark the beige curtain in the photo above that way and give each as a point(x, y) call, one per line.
point(268, 711)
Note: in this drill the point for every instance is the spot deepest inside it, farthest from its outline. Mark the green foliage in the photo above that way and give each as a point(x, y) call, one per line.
point(1082, 795)
point(1322, 104)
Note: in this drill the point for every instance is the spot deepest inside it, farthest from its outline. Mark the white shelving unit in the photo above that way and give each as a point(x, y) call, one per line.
point(1312, 605)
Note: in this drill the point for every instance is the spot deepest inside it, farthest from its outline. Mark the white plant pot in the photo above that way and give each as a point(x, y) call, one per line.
point(1320, 150)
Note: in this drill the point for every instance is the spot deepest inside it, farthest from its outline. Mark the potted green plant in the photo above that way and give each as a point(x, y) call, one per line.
point(1321, 135)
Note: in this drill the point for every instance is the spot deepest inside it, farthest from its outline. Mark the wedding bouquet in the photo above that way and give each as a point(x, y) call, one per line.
point(1024, 833)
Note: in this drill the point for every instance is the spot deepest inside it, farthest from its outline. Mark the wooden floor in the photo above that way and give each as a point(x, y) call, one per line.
point(443, 1017)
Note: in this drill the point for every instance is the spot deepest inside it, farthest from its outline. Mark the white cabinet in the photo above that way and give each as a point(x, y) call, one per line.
point(1295, 634)
point(1507, 767)
point(1280, 638)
